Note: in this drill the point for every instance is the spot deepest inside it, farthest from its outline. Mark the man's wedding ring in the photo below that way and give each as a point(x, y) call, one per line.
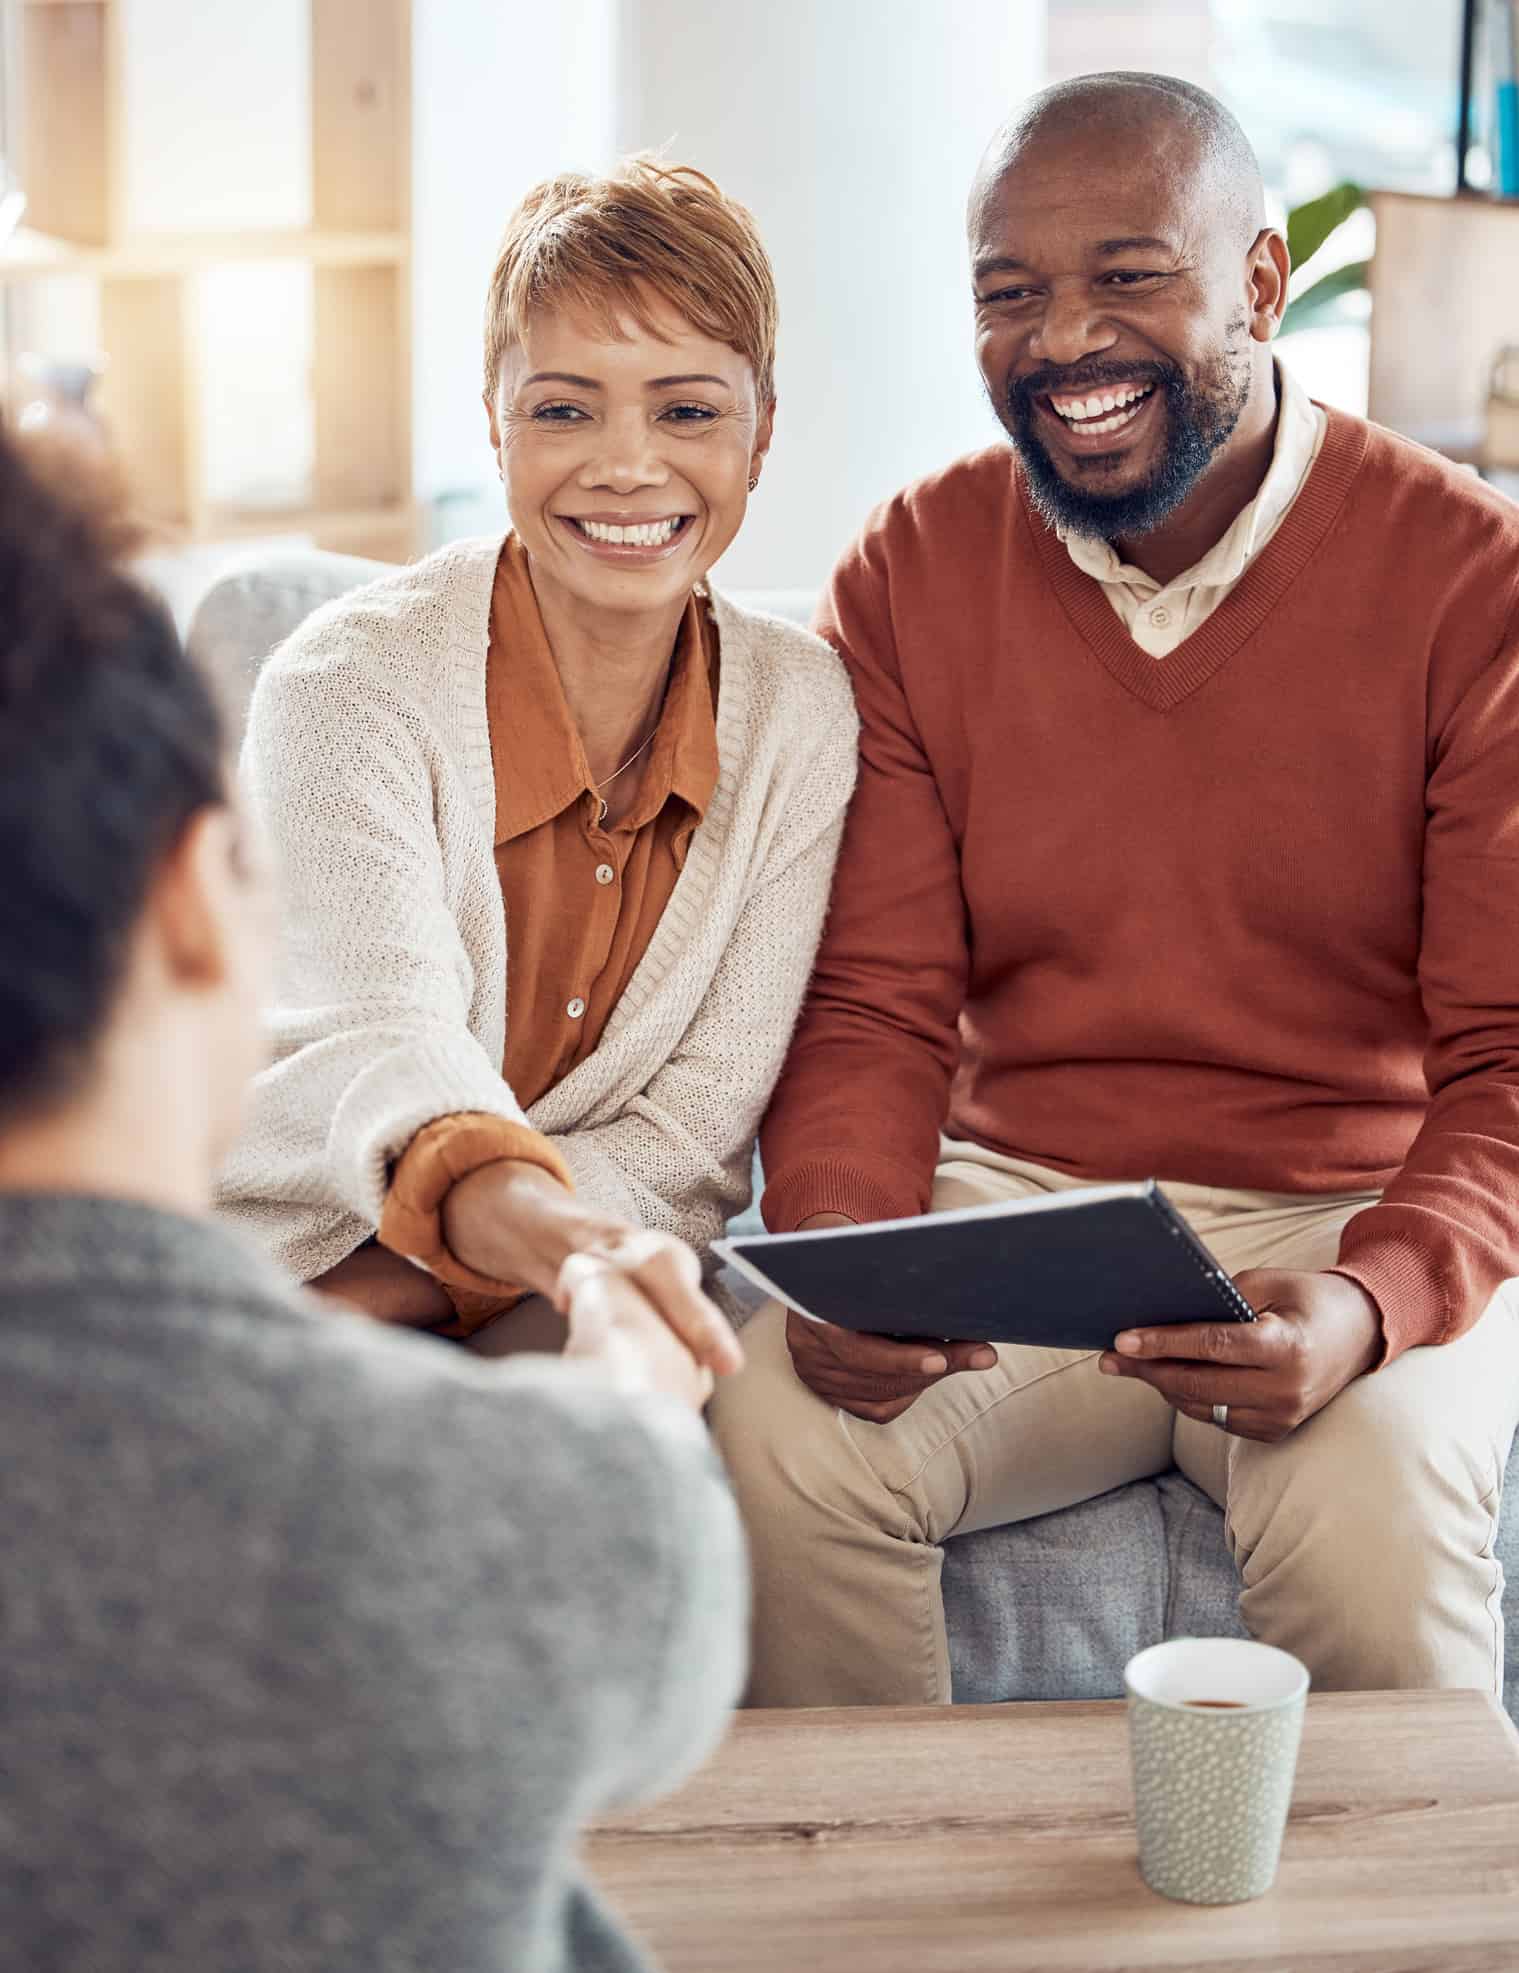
point(1221, 1417)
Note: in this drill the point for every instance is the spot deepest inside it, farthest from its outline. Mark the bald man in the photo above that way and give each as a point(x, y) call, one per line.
point(1185, 845)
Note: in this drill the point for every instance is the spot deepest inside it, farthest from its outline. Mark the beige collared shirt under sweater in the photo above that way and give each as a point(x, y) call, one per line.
point(1160, 617)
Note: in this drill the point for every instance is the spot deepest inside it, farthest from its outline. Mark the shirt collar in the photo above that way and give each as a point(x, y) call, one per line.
point(683, 758)
point(1292, 455)
point(539, 760)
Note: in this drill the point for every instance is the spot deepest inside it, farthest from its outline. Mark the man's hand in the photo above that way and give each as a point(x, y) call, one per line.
point(1316, 1334)
point(873, 1377)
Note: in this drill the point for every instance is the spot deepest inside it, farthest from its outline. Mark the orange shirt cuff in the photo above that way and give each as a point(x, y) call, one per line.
point(430, 1167)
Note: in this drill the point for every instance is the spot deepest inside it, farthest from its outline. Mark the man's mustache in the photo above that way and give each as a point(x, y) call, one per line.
point(1022, 391)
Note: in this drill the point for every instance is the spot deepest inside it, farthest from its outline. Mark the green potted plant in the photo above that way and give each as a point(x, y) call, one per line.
point(1308, 227)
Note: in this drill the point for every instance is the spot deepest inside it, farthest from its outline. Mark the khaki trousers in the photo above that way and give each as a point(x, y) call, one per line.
point(1364, 1540)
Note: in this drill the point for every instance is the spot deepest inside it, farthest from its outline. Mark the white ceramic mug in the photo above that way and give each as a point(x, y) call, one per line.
point(1214, 1724)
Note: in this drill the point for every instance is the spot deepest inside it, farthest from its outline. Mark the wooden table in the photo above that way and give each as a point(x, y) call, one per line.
point(1001, 1837)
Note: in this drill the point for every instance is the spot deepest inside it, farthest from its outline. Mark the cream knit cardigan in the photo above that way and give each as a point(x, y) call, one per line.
point(368, 767)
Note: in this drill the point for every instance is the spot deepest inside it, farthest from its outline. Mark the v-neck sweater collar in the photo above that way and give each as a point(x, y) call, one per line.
point(1163, 686)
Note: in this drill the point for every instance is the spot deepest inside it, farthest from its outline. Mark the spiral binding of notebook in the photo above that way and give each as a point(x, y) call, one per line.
point(1201, 1259)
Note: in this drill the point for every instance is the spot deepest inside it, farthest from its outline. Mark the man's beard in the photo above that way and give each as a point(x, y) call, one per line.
point(1199, 418)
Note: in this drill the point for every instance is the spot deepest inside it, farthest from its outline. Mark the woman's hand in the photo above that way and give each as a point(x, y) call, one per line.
point(517, 1224)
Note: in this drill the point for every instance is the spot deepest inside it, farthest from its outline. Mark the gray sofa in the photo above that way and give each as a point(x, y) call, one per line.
point(1047, 1609)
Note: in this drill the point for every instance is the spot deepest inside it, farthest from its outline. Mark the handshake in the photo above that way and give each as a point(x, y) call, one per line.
point(632, 1299)
point(635, 1308)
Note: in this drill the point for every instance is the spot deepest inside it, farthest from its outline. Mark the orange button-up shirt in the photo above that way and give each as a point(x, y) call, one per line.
point(582, 901)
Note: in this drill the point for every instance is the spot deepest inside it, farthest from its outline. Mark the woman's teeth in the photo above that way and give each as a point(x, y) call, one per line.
point(1102, 411)
point(647, 534)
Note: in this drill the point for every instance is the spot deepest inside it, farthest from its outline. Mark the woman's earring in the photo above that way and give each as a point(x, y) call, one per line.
point(754, 483)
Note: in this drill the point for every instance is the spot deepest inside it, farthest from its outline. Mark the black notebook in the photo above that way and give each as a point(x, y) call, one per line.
point(1068, 1270)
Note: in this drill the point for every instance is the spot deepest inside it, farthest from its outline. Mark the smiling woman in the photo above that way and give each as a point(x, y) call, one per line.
point(627, 452)
point(629, 378)
point(559, 821)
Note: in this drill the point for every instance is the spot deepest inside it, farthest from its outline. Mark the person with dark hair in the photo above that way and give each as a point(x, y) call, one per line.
point(1184, 847)
point(317, 1640)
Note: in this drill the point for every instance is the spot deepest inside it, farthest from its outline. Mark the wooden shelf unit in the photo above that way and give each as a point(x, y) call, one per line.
point(30, 255)
point(358, 247)
point(385, 533)
point(1444, 300)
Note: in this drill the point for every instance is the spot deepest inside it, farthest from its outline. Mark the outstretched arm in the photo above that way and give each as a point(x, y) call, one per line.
point(675, 1156)
point(373, 1039)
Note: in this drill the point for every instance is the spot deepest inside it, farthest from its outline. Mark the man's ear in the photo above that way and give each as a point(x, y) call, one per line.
point(1269, 269)
point(193, 898)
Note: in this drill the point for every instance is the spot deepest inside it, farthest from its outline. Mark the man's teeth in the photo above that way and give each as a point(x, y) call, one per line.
point(648, 534)
point(1103, 411)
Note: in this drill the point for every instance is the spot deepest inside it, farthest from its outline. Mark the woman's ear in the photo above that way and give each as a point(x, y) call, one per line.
point(764, 431)
point(488, 400)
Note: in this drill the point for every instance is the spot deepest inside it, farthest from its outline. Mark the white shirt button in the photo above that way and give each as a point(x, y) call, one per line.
point(576, 1008)
point(605, 873)
point(1160, 618)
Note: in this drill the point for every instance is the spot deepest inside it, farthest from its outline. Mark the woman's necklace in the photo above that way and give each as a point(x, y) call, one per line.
point(599, 785)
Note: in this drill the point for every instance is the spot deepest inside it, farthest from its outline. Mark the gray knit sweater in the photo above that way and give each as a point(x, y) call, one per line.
point(317, 1641)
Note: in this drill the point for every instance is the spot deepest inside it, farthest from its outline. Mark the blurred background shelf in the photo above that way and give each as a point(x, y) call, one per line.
point(351, 270)
point(1444, 286)
point(38, 256)
point(385, 533)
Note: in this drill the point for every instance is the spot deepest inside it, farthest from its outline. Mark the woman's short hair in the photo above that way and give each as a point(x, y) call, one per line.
point(605, 247)
point(110, 740)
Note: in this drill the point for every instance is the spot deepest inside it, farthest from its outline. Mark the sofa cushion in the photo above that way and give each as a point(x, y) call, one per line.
point(1054, 1608)
point(252, 608)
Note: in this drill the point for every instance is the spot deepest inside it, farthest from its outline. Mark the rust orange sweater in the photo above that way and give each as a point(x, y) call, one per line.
point(1246, 916)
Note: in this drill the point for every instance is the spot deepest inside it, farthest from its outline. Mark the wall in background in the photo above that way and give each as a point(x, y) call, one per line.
point(504, 94)
point(217, 130)
point(852, 131)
